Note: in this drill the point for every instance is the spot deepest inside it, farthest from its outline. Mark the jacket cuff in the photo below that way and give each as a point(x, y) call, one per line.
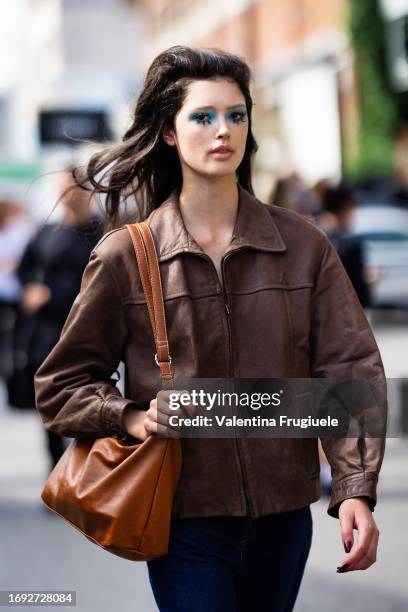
point(358, 485)
point(112, 415)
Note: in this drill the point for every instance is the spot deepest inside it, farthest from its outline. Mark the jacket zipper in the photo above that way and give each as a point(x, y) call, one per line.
point(231, 374)
point(247, 503)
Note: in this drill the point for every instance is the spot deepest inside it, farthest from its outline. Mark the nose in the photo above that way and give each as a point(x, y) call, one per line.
point(223, 129)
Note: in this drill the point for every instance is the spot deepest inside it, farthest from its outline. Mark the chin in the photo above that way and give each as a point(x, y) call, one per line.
point(220, 174)
point(214, 169)
point(221, 169)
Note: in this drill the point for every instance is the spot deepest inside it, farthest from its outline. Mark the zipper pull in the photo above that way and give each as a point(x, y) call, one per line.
point(227, 308)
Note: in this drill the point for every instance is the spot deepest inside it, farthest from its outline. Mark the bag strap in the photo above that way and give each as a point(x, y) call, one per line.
point(149, 270)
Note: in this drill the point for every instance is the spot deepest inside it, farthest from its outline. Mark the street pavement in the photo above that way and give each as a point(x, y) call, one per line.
point(39, 551)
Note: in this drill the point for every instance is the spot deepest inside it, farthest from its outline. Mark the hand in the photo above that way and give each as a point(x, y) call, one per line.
point(34, 296)
point(140, 424)
point(354, 513)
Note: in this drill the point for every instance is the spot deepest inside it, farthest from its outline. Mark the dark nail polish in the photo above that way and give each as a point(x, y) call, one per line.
point(342, 568)
point(347, 546)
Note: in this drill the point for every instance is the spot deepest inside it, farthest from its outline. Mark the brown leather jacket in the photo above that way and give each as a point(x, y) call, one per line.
point(288, 310)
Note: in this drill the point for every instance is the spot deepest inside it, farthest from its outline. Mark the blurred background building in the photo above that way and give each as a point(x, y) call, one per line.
point(68, 70)
point(330, 79)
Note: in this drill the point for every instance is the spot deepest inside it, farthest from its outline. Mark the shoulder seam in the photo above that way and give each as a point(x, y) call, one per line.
point(111, 274)
point(327, 246)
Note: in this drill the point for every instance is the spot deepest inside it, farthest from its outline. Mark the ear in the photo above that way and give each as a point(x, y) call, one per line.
point(168, 137)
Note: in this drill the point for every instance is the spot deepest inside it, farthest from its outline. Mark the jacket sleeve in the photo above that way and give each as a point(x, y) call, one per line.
point(343, 347)
point(75, 395)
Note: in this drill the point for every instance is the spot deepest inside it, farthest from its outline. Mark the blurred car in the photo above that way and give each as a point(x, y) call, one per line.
point(383, 231)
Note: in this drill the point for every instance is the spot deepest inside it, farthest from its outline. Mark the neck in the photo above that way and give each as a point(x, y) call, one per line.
point(209, 205)
point(76, 218)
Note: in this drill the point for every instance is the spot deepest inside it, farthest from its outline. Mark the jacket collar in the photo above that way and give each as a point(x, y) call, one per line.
point(254, 228)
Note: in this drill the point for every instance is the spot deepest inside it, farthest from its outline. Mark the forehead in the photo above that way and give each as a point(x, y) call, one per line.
point(213, 92)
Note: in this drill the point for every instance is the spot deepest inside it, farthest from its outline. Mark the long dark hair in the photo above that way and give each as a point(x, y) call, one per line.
point(143, 167)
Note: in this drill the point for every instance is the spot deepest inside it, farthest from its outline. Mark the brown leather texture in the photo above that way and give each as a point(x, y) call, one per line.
point(120, 495)
point(287, 310)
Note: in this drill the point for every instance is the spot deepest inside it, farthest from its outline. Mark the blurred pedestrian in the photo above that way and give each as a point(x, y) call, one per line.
point(50, 273)
point(286, 191)
point(15, 230)
point(290, 192)
point(336, 218)
point(311, 200)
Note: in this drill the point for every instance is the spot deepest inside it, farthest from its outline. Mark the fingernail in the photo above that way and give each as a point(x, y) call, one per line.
point(342, 568)
point(347, 546)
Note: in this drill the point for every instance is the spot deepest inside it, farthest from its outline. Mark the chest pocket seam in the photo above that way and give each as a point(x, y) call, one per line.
point(275, 287)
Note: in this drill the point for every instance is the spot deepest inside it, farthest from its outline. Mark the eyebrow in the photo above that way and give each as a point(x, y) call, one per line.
point(206, 108)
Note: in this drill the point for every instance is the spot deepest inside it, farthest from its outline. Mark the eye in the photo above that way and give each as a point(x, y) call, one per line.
point(202, 118)
point(238, 116)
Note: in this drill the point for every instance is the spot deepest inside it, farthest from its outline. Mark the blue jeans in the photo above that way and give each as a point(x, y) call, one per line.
point(233, 564)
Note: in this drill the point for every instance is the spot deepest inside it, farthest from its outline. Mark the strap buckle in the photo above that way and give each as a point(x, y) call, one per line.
point(157, 362)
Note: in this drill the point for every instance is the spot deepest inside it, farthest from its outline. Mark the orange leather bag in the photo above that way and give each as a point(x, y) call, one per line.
point(118, 494)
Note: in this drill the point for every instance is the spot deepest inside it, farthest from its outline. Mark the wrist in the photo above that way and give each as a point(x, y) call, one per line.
point(133, 420)
point(362, 498)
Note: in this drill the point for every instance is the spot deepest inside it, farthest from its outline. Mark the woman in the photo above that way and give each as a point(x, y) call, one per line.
point(251, 291)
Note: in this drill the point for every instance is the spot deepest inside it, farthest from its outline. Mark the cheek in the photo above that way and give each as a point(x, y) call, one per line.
point(192, 140)
point(242, 134)
point(239, 139)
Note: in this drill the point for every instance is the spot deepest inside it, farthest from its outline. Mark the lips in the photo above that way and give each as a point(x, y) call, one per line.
point(222, 149)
